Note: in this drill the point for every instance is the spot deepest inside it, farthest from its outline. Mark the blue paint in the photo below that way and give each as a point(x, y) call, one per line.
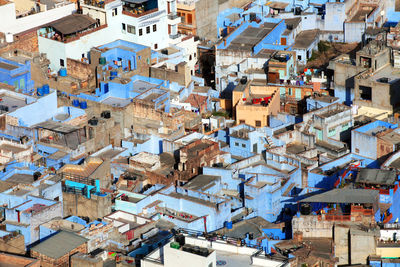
point(19, 76)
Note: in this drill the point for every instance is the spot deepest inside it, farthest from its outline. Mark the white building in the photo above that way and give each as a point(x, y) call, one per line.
point(20, 16)
point(148, 22)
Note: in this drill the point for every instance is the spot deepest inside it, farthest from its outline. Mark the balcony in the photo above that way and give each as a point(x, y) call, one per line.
point(94, 3)
point(174, 36)
point(173, 18)
point(137, 12)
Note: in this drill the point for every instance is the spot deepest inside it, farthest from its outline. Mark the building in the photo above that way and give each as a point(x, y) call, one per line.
point(25, 16)
point(57, 250)
point(16, 74)
point(15, 260)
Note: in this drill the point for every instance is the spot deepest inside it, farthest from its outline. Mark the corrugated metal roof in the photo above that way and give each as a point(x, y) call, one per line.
point(361, 196)
point(60, 244)
point(73, 23)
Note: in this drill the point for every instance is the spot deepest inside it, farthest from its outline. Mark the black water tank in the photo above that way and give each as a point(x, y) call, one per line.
point(106, 114)
point(36, 176)
point(253, 16)
point(93, 121)
point(203, 252)
point(297, 11)
point(180, 239)
point(187, 248)
point(305, 209)
point(196, 250)
point(243, 80)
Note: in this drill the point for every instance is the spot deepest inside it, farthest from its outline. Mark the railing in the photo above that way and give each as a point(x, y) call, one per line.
point(138, 15)
point(174, 36)
point(173, 16)
point(77, 178)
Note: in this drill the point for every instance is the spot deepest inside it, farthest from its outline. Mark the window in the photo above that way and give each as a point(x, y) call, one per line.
point(148, 29)
point(123, 26)
point(140, 32)
point(189, 19)
point(242, 121)
point(155, 46)
point(190, 57)
point(131, 29)
point(299, 57)
point(236, 144)
point(140, 57)
point(83, 55)
point(194, 55)
point(290, 91)
point(114, 12)
point(357, 150)
point(154, 27)
point(62, 62)
point(258, 123)
point(331, 132)
point(244, 145)
point(345, 126)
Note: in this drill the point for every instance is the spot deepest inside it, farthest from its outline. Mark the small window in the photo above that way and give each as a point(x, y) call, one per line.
point(148, 29)
point(299, 57)
point(140, 32)
point(194, 55)
point(114, 12)
point(131, 29)
point(290, 91)
point(258, 123)
point(62, 62)
point(236, 144)
point(242, 121)
point(357, 150)
point(190, 57)
point(305, 17)
point(123, 26)
point(154, 27)
point(244, 145)
point(155, 46)
point(331, 132)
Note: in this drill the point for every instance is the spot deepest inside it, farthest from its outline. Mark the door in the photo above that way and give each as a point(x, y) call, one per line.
point(283, 41)
point(298, 93)
point(319, 134)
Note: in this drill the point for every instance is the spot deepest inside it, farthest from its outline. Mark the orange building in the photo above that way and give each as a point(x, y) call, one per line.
point(188, 24)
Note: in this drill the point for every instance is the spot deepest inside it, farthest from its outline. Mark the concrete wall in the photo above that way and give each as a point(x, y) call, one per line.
point(206, 19)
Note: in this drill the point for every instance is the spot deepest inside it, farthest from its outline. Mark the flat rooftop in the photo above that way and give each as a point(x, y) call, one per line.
point(12, 102)
point(202, 182)
point(305, 38)
point(362, 12)
point(376, 176)
point(6, 66)
point(142, 86)
point(21, 178)
point(251, 36)
point(116, 101)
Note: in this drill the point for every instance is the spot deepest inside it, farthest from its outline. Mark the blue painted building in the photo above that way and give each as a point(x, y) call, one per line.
point(16, 74)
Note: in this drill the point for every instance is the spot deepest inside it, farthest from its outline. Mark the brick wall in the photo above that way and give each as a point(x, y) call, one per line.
point(80, 70)
point(25, 41)
point(62, 261)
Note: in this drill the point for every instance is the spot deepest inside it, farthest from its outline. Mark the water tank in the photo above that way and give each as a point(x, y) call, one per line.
point(9, 37)
point(93, 121)
point(46, 89)
point(40, 91)
point(75, 103)
point(180, 239)
point(102, 61)
point(228, 225)
point(305, 209)
point(63, 72)
point(243, 80)
point(106, 114)
point(83, 105)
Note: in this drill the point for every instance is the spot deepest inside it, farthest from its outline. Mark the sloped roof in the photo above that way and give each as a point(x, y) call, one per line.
point(72, 23)
point(60, 244)
point(362, 196)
